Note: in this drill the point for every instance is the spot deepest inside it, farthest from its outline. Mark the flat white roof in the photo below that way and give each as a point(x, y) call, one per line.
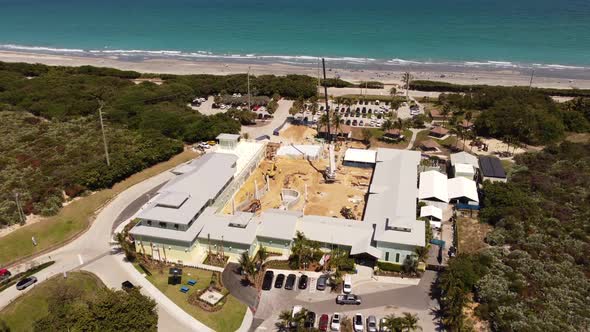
point(433, 185)
point(360, 155)
point(233, 137)
point(464, 169)
point(278, 224)
point(220, 227)
point(203, 183)
point(304, 150)
point(464, 158)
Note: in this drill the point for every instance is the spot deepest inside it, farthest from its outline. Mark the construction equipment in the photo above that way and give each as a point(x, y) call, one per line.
point(272, 171)
point(330, 174)
point(254, 206)
point(347, 212)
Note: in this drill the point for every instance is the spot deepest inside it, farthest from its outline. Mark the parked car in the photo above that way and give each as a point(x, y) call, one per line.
point(280, 280)
point(324, 322)
point(358, 323)
point(26, 282)
point(371, 324)
point(347, 285)
point(290, 283)
point(4, 274)
point(127, 285)
point(204, 145)
point(383, 325)
point(322, 282)
point(335, 323)
point(348, 299)
point(267, 281)
point(309, 320)
point(302, 282)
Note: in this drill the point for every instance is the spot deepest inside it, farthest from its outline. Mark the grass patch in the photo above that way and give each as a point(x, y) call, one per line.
point(471, 234)
point(74, 217)
point(421, 136)
point(25, 310)
point(229, 318)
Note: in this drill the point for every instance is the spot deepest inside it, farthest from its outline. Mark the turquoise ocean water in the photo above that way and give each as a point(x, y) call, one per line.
point(471, 32)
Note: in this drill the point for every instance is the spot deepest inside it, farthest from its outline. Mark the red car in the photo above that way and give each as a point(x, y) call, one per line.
point(4, 274)
point(324, 322)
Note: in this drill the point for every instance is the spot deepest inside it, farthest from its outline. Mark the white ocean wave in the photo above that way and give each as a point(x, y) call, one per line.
point(289, 59)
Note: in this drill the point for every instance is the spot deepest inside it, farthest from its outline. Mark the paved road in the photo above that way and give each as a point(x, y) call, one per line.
point(93, 249)
point(233, 281)
point(134, 206)
point(279, 118)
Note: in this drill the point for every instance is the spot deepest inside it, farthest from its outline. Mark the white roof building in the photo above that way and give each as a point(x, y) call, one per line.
point(360, 156)
point(433, 186)
point(278, 224)
point(463, 188)
point(464, 158)
point(464, 170)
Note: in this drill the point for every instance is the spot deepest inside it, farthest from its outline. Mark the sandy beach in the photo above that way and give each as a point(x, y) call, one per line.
point(390, 74)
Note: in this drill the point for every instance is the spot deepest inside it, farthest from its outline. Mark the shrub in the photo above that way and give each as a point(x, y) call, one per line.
point(389, 267)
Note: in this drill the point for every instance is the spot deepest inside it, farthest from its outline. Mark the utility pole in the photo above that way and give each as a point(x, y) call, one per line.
point(531, 82)
point(326, 95)
point(21, 214)
point(319, 81)
point(104, 137)
point(249, 103)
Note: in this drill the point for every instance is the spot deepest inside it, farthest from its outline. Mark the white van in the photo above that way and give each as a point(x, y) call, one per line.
point(347, 289)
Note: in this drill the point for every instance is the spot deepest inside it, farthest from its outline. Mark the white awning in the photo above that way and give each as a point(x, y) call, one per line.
point(360, 156)
point(431, 211)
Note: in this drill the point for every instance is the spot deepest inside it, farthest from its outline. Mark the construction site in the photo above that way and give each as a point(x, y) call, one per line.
point(285, 180)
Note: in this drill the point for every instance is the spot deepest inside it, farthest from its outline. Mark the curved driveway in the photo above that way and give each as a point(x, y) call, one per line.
point(92, 252)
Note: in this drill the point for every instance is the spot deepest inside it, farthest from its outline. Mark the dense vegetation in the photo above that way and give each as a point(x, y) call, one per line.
point(424, 85)
point(44, 161)
point(534, 275)
point(517, 114)
point(106, 310)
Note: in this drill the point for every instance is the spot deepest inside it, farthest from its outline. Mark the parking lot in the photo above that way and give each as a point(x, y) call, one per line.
point(378, 298)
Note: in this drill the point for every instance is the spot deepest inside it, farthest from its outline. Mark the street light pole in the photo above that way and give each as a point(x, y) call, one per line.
point(104, 137)
point(249, 103)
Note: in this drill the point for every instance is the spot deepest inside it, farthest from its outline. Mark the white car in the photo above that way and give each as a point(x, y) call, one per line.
point(358, 323)
point(204, 145)
point(335, 323)
point(347, 285)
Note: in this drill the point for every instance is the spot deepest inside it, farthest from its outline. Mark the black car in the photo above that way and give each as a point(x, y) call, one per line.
point(309, 320)
point(267, 282)
point(302, 282)
point(26, 282)
point(322, 282)
point(127, 285)
point(290, 283)
point(280, 281)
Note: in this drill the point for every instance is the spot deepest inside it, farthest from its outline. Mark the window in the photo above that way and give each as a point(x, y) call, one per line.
point(163, 224)
point(176, 226)
point(397, 258)
point(387, 255)
point(149, 222)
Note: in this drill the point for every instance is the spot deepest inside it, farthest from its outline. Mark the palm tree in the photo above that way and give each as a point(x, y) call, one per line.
point(387, 124)
point(285, 319)
point(446, 110)
point(336, 123)
point(395, 324)
point(247, 265)
point(406, 78)
point(410, 322)
point(299, 247)
point(399, 124)
point(262, 254)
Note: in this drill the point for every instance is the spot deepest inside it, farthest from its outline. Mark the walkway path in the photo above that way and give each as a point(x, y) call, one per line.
point(413, 139)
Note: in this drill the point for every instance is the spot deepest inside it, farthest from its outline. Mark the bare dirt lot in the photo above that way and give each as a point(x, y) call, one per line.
point(471, 234)
point(298, 134)
point(325, 199)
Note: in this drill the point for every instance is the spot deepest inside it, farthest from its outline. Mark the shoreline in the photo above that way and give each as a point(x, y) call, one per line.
point(388, 73)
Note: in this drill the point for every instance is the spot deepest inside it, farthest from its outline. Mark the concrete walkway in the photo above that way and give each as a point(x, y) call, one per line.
point(413, 139)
